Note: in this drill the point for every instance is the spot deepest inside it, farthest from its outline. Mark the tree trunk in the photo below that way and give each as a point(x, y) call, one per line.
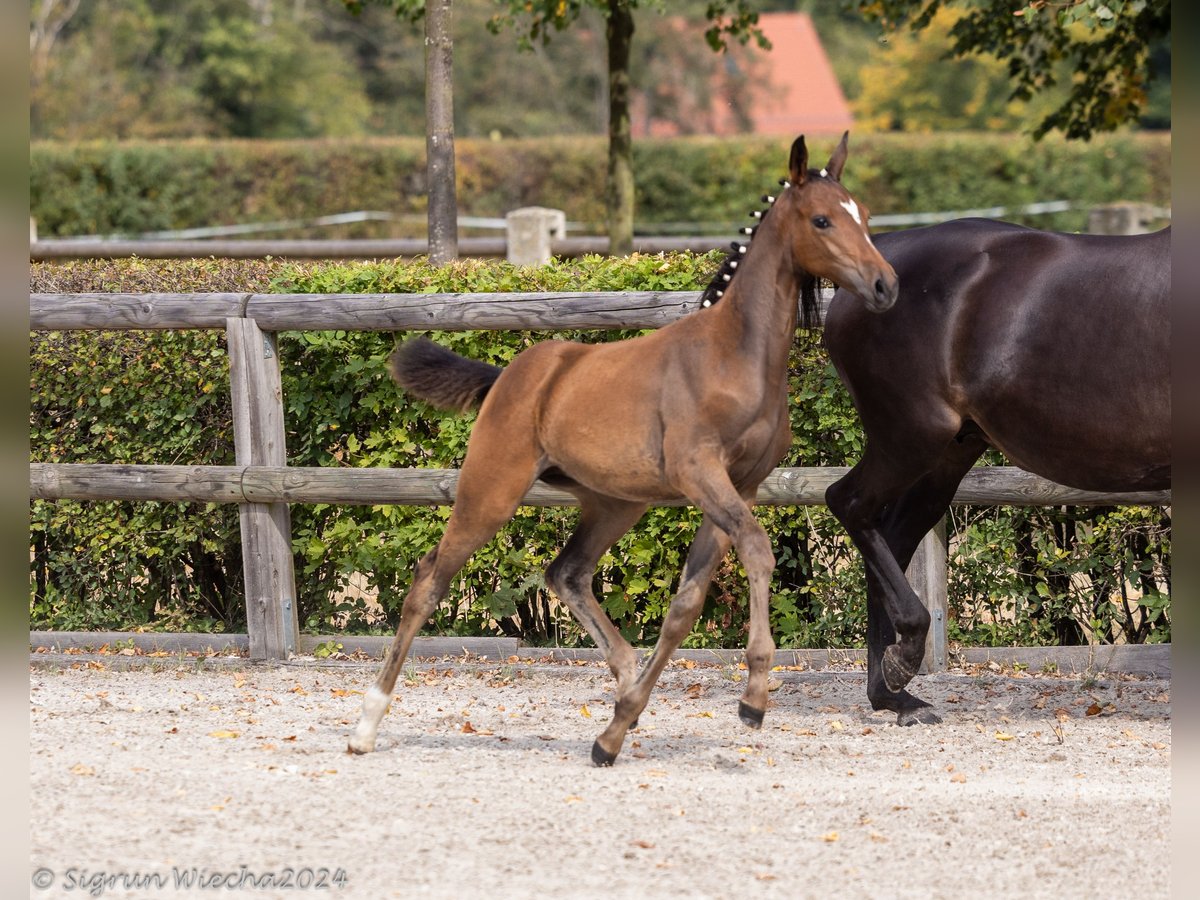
point(439, 132)
point(619, 187)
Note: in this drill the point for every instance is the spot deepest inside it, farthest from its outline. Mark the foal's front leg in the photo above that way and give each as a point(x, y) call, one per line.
point(708, 549)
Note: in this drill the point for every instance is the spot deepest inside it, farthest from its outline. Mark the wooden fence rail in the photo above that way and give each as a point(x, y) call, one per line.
point(263, 485)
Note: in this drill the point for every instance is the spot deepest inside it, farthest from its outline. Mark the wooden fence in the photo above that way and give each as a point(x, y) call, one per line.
point(263, 485)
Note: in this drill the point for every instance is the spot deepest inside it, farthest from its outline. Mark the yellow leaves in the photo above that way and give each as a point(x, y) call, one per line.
point(585, 712)
point(831, 837)
point(1002, 736)
point(693, 691)
point(573, 798)
point(224, 734)
point(82, 770)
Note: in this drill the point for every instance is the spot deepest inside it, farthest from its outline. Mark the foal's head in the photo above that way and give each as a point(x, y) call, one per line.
point(827, 229)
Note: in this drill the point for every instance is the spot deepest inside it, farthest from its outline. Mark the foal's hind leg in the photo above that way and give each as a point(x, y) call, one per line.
point(708, 549)
point(486, 500)
point(602, 521)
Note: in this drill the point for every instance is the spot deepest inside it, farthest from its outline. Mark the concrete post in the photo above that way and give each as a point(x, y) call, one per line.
point(1120, 218)
point(530, 231)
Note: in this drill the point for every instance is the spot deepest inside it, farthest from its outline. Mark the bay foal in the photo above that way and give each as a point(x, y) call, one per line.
point(697, 410)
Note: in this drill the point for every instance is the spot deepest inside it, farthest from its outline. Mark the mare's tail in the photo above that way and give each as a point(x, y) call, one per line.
point(440, 377)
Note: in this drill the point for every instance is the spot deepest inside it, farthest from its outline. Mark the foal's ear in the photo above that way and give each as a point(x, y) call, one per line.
point(798, 163)
point(837, 162)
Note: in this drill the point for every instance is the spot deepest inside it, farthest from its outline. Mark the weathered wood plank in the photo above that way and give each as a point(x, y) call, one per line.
point(1135, 659)
point(365, 312)
point(402, 487)
point(1010, 486)
point(350, 248)
point(470, 311)
point(84, 481)
point(71, 312)
point(257, 392)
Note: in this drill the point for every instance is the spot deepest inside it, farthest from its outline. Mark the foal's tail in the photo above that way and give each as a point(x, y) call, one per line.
point(440, 377)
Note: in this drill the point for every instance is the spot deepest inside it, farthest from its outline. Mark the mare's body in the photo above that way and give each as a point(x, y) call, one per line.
point(1052, 348)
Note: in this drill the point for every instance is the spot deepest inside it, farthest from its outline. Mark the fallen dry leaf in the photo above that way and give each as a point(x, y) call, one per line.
point(960, 778)
point(223, 734)
point(468, 728)
point(585, 712)
point(1003, 736)
point(694, 690)
point(81, 769)
point(830, 837)
point(645, 845)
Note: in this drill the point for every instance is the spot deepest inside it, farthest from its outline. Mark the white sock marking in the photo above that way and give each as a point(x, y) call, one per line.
point(375, 704)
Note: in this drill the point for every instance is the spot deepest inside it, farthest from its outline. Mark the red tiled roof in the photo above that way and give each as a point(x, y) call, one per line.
point(788, 90)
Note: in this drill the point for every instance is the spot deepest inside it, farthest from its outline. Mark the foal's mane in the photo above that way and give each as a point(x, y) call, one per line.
point(810, 304)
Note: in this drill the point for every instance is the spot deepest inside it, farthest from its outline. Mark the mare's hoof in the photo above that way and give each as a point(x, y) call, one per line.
point(356, 751)
point(633, 724)
point(896, 672)
point(749, 715)
point(602, 757)
point(922, 715)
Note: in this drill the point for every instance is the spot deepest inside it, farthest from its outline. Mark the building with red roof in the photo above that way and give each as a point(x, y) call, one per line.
point(788, 90)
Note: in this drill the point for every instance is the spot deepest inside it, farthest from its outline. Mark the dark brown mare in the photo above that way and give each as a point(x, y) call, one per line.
point(697, 410)
point(1052, 348)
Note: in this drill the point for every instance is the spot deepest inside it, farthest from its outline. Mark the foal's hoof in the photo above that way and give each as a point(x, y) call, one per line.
point(602, 757)
point(921, 715)
point(359, 743)
point(749, 715)
point(896, 671)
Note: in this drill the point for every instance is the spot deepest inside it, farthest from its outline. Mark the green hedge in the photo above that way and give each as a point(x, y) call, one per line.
point(101, 188)
point(1018, 576)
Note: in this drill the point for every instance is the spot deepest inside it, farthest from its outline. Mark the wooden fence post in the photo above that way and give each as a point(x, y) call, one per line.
point(258, 434)
point(927, 575)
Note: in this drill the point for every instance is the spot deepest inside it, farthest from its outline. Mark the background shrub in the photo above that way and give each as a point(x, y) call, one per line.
point(134, 187)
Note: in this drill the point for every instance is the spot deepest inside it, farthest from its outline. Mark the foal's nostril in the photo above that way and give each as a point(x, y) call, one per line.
point(880, 288)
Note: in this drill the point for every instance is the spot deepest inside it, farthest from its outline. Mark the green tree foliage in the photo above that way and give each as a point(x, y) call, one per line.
point(909, 83)
point(154, 68)
point(1108, 46)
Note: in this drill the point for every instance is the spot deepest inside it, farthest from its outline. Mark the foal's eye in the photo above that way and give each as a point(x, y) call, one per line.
point(820, 222)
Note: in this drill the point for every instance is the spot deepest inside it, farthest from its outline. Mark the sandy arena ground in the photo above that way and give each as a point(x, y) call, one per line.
point(1033, 786)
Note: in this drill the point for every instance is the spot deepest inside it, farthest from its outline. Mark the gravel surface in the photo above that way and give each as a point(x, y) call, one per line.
point(481, 785)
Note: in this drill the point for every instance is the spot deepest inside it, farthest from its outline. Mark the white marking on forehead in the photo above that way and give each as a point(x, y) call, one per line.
point(851, 207)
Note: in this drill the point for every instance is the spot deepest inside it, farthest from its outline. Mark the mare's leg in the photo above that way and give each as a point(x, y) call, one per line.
point(887, 516)
point(490, 487)
point(602, 521)
point(708, 549)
